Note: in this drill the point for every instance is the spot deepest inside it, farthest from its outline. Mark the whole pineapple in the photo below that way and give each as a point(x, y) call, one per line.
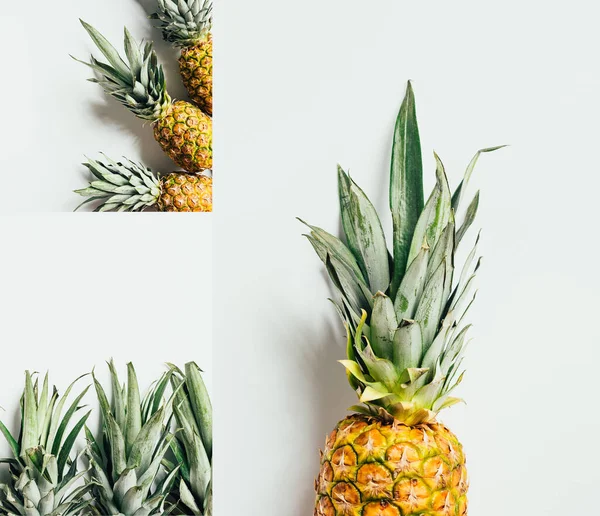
point(126, 459)
point(130, 186)
point(183, 131)
point(187, 25)
point(404, 316)
point(192, 446)
point(44, 480)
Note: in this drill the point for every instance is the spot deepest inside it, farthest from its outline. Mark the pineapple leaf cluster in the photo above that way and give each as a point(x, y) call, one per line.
point(404, 310)
point(139, 84)
point(151, 455)
point(43, 472)
point(120, 186)
point(184, 22)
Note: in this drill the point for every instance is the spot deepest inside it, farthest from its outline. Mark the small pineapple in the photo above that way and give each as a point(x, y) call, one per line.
point(183, 131)
point(406, 337)
point(130, 186)
point(187, 25)
point(43, 475)
point(125, 460)
point(192, 447)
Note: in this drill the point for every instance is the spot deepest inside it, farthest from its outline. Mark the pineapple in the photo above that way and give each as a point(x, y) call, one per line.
point(183, 131)
point(406, 337)
point(187, 25)
point(192, 447)
point(125, 460)
point(132, 187)
point(43, 476)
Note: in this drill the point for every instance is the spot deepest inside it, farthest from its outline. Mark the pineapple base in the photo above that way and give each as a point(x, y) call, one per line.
point(185, 134)
point(373, 468)
point(185, 192)
point(195, 67)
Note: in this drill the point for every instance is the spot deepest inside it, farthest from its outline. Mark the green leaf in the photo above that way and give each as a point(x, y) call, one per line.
point(65, 450)
point(383, 326)
point(134, 409)
point(456, 197)
point(380, 369)
point(408, 345)
point(344, 193)
point(201, 404)
point(29, 438)
point(406, 184)
point(65, 422)
point(108, 50)
point(435, 215)
point(431, 304)
point(12, 442)
point(469, 218)
point(370, 239)
point(411, 287)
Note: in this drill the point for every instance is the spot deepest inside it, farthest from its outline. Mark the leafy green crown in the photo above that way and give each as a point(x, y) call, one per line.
point(193, 444)
point(184, 22)
point(139, 84)
point(120, 186)
point(44, 476)
point(404, 311)
point(126, 459)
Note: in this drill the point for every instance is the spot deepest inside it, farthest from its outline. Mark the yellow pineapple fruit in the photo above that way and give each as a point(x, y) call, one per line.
point(187, 25)
point(404, 315)
point(183, 131)
point(130, 186)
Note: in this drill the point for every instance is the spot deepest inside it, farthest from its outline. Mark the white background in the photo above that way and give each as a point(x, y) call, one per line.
point(77, 290)
point(51, 116)
point(302, 86)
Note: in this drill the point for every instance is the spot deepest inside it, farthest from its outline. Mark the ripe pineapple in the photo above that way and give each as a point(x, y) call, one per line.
point(125, 460)
point(183, 131)
point(43, 475)
point(187, 25)
point(406, 336)
point(132, 187)
point(192, 447)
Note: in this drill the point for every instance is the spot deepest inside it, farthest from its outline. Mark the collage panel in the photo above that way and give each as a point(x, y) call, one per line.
point(333, 79)
point(138, 135)
point(107, 376)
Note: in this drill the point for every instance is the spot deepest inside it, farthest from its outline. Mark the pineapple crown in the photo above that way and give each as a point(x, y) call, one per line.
point(184, 22)
point(120, 186)
point(403, 311)
point(193, 444)
point(125, 462)
point(139, 84)
point(44, 477)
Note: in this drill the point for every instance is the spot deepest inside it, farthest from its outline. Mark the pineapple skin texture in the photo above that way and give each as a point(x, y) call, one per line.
point(185, 134)
point(196, 69)
point(372, 468)
point(185, 192)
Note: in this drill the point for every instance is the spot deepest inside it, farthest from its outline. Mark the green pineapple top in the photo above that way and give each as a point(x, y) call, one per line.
point(184, 22)
point(121, 186)
point(126, 458)
point(193, 444)
point(44, 478)
point(404, 312)
point(139, 84)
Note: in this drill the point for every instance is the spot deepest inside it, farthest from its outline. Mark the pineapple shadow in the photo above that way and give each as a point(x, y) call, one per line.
point(331, 394)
